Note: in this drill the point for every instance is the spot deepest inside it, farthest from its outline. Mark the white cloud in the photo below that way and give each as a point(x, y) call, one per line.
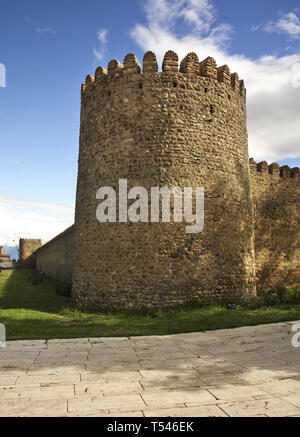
point(200, 14)
point(287, 23)
point(102, 38)
point(32, 219)
point(45, 30)
point(273, 99)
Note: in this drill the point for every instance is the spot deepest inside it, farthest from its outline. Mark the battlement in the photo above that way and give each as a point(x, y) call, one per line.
point(274, 169)
point(33, 240)
point(189, 66)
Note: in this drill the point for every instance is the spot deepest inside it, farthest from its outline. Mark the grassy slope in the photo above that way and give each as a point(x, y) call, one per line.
point(35, 311)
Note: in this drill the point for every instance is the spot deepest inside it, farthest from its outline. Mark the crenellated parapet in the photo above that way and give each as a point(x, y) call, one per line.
point(275, 170)
point(31, 240)
point(224, 75)
point(150, 63)
point(190, 66)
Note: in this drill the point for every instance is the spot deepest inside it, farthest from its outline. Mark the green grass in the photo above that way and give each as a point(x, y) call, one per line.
point(31, 309)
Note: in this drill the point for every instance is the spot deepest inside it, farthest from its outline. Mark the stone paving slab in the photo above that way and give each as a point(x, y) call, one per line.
point(248, 371)
point(275, 407)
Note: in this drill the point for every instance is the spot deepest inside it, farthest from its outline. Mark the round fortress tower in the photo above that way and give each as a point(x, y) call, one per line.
point(182, 127)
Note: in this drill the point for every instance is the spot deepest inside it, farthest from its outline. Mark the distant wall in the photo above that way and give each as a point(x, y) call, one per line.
point(55, 257)
point(27, 248)
point(276, 202)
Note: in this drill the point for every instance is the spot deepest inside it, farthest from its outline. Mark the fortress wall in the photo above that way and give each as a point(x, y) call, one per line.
point(276, 199)
point(55, 257)
point(27, 248)
point(184, 126)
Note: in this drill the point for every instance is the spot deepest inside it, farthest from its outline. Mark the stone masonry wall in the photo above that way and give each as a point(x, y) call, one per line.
point(184, 126)
point(27, 247)
point(55, 257)
point(276, 199)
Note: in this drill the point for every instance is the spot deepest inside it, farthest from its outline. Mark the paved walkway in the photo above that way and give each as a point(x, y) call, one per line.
point(250, 371)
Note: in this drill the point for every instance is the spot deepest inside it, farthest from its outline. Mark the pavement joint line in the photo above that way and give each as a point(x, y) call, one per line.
point(219, 406)
point(143, 400)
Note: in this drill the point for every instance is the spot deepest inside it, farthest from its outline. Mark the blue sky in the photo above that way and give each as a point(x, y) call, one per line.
point(48, 47)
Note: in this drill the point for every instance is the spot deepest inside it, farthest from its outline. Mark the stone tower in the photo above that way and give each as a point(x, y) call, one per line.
point(27, 247)
point(184, 127)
